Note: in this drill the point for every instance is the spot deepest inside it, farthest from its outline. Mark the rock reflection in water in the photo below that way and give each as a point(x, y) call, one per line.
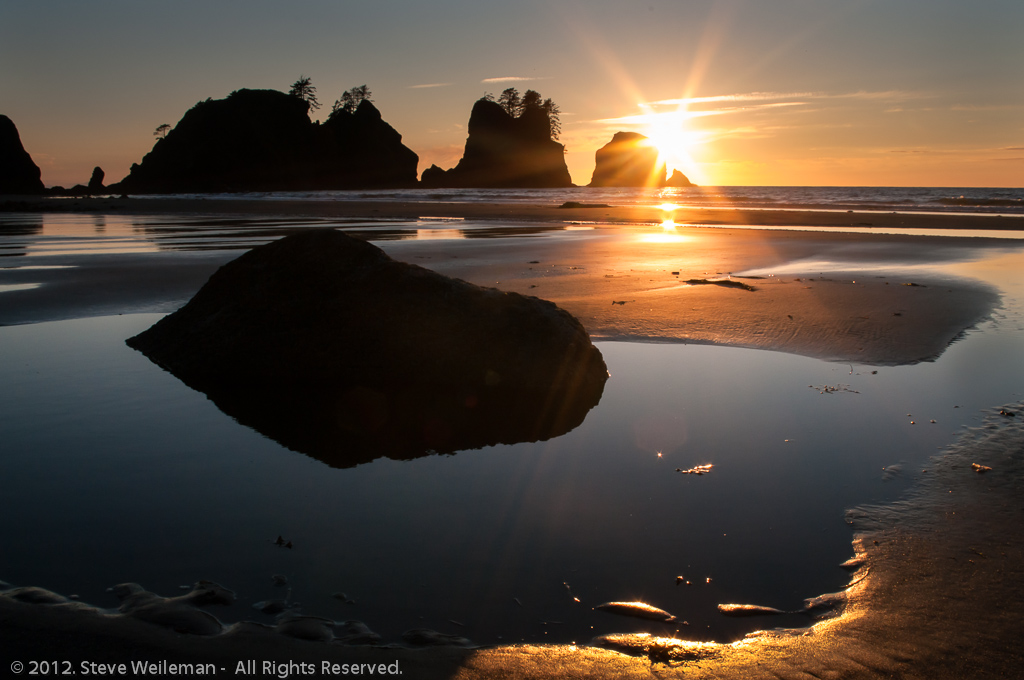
point(354, 425)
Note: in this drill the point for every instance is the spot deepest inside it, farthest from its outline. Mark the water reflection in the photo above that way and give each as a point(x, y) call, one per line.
point(348, 426)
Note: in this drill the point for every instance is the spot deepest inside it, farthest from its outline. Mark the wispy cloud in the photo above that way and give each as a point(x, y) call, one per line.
point(511, 79)
point(885, 95)
point(645, 118)
point(426, 85)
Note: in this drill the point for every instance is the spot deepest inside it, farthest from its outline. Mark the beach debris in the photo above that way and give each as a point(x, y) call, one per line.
point(639, 610)
point(749, 610)
point(725, 283)
point(697, 469)
point(577, 204)
point(829, 389)
point(621, 302)
point(424, 637)
point(915, 285)
point(980, 468)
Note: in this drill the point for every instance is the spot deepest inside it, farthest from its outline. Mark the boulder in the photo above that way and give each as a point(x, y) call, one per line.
point(629, 160)
point(324, 343)
point(505, 151)
point(18, 173)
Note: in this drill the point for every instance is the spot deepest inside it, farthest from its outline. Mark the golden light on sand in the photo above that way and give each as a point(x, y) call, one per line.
point(667, 235)
point(668, 207)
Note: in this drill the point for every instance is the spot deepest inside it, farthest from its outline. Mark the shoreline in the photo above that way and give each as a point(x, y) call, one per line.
point(937, 594)
point(521, 212)
point(861, 297)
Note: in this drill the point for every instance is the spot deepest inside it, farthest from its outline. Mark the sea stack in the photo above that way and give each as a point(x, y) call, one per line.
point(18, 173)
point(629, 160)
point(506, 151)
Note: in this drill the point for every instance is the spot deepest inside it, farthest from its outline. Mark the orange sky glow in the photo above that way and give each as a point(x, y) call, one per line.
point(734, 92)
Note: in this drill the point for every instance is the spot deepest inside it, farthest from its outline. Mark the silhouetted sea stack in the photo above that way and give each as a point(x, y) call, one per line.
point(96, 181)
point(323, 342)
point(629, 160)
point(505, 151)
point(678, 179)
point(18, 173)
point(263, 140)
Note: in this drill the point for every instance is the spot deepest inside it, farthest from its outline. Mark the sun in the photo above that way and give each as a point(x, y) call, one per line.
point(672, 137)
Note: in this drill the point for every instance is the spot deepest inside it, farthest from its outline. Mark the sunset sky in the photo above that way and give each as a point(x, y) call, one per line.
point(771, 92)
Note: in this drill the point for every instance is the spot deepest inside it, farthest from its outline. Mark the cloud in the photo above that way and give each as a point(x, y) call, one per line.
point(885, 95)
point(510, 79)
point(426, 85)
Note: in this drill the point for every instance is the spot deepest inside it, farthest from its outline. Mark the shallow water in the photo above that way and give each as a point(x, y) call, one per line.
point(115, 471)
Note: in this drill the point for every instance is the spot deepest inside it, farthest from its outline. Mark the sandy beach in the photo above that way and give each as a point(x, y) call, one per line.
point(935, 592)
point(622, 271)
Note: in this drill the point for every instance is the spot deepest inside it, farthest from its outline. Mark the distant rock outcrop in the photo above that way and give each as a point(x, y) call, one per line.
point(263, 140)
point(629, 160)
point(18, 173)
point(324, 343)
point(505, 151)
point(96, 181)
point(678, 179)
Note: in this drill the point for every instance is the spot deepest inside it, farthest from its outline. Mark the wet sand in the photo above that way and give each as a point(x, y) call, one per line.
point(939, 593)
point(868, 298)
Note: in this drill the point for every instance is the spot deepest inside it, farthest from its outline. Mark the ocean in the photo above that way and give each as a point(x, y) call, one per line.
point(1006, 201)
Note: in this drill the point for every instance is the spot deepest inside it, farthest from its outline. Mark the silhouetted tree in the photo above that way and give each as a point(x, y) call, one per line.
point(515, 105)
point(351, 99)
point(531, 100)
point(162, 130)
point(511, 102)
point(551, 108)
point(304, 89)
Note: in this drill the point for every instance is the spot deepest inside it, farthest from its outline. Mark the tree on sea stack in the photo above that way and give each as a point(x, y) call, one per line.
point(304, 89)
point(161, 131)
point(350, 100)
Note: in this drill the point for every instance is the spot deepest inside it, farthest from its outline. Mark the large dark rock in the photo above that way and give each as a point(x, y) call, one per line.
point(96, 181)
point(629, 160)
point(18, 173)
point(263, 140)
point(506, 151)
point(326, 344)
